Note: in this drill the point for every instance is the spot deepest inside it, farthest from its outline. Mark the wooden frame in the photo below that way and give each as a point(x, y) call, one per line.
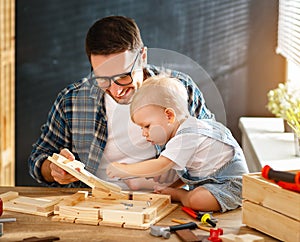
point(12, 201)
point(108, 204)
point(271, 209)
point(140, 212)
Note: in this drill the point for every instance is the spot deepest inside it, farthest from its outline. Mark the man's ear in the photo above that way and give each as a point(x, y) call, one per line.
point(144, 55)
point(171, 115)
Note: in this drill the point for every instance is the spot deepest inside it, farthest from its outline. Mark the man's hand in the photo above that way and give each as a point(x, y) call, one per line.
point(61, 176)
point(52, 172)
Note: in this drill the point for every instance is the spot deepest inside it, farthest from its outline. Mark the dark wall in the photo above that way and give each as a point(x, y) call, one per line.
point(234, 41)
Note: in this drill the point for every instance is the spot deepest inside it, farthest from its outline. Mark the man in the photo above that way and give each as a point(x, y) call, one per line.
point(89, 121)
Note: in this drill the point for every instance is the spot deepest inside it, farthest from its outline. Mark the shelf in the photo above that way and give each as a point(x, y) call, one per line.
point(265, 143)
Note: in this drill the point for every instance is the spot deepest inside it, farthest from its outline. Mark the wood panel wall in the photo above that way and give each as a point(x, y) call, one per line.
point(7, 92)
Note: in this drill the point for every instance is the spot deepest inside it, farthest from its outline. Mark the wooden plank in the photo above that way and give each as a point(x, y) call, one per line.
point(48, 205)
point(248, 238)
point(112, 224)
point(164, 212)
point(7, 92)
point(150, 214)
point(77, 212)
point(160, 203)
point(148, 196)
point(241, 238)
point(9, 196)
point(73, 199)
point(22, 208)
point(76, 168)
point(12, 201)
point(128, 217)
point(271, 222)
point(270, 195)
point(109, 195)
point(87, 221)
point(58, 218)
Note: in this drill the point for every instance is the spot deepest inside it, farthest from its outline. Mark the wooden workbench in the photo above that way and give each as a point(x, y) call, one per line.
point(37, 226)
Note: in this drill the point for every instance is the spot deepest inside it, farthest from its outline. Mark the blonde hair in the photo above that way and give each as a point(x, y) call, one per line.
point(162, 91)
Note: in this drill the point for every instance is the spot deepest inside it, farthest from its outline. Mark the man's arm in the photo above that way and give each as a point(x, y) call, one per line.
point(55, 136)
point(46, 171)
point(148, 168)
point(196, 102)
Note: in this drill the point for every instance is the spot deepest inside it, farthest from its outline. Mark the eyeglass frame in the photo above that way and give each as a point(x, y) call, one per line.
point(112, 78)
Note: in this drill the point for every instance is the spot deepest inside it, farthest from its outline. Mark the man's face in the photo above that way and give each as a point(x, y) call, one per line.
point(120, 74)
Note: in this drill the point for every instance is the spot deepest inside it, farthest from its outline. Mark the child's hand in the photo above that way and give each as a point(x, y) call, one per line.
point(116, 169)
point(167, 178)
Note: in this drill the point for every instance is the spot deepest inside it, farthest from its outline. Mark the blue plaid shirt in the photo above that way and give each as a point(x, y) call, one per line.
point(78, 121)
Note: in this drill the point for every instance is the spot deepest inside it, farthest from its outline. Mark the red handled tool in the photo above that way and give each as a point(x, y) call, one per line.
point(287, 180)
point(203, 217)
point(1, 206)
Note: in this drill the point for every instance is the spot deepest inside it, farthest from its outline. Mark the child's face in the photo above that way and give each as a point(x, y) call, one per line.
point(155, 124)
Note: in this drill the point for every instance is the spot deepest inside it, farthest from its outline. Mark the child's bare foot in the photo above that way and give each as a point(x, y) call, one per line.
point(198, 199)
point(175, 193)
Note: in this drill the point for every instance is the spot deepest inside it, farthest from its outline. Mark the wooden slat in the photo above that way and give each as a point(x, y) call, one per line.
point(9, 196)
point(270, 195)
point(271, 222)
point(76, 168)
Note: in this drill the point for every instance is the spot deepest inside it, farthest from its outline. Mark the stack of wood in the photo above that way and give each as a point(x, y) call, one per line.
point(270, 208)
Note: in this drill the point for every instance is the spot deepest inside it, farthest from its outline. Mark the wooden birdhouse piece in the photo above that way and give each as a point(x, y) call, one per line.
point(108, 204)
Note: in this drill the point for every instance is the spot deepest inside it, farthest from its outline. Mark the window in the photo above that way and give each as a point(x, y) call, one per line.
point(289, 31)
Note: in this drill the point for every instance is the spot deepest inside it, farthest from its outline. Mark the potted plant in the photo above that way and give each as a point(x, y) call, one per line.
point(284, 102)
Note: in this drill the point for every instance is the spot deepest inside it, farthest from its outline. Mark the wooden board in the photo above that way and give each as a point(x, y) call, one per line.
point(271, 222)
point(270, 195)
point(76, 168)
point(241, 238)
point(138, 213)
point(12, 201)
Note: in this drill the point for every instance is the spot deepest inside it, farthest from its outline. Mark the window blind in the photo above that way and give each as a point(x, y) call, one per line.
point(289, 30)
